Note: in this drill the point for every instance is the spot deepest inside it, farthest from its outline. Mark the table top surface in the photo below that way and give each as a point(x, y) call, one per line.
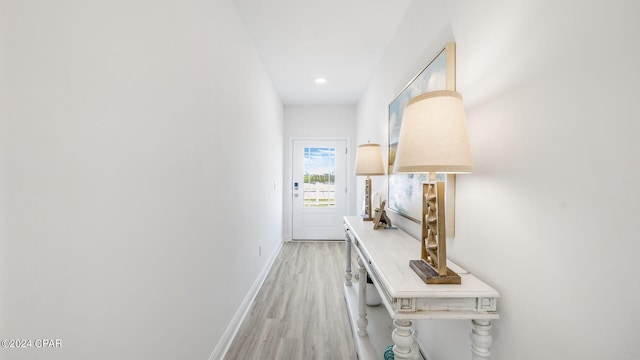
point(389, 252)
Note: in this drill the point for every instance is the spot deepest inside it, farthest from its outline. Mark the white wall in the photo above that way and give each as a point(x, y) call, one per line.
point(3, 192)
point(140, 139)
point(336, 122)
point(549, 215)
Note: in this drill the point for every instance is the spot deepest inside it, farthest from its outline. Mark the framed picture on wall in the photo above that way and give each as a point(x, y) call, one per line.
point(405, 190)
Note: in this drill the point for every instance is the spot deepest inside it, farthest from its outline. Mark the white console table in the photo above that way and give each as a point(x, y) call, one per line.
point(384, 255)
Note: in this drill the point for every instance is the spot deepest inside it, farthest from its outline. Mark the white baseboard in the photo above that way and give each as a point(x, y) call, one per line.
point(234, 325)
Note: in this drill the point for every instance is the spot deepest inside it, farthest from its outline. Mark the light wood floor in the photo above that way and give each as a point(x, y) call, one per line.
point(300, 311)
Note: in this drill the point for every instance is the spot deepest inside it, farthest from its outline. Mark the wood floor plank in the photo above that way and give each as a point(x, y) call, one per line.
point(299, 313)
point(289, 349)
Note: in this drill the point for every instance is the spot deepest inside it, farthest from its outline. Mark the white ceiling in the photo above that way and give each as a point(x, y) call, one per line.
point(341, 40)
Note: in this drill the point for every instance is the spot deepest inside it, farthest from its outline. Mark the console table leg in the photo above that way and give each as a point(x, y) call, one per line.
point(347, 275)
point(481, 339)
point(362, 298)
point(404, 341)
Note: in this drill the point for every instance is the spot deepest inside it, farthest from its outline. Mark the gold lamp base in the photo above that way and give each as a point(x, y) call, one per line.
point(367, 216)
point(432, 267)
point(430, 275)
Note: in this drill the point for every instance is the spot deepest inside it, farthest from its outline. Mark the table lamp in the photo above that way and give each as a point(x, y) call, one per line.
point(368, 162)
point(433, 139)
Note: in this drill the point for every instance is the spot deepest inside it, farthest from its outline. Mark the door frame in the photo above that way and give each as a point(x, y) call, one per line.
point(288, 190)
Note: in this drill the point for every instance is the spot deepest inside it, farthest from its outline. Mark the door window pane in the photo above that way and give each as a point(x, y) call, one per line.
point(319, 177)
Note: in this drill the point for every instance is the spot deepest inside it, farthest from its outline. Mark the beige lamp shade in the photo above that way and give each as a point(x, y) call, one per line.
point(369, 160)
point(433, 135)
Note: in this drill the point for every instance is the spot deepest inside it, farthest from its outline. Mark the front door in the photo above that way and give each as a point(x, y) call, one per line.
point(319, 189)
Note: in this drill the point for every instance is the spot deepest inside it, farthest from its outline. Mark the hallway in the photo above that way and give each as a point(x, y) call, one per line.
point(299, 312)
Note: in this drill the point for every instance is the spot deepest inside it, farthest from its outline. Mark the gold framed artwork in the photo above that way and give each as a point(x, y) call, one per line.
point(405, 190)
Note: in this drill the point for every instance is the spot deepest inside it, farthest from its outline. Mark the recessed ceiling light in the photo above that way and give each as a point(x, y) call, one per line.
point(320, 80)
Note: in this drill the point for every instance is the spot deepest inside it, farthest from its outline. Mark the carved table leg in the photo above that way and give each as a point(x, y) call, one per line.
point(481, 339)
point(347, 275)
point(362, 298)
point(404, 341)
